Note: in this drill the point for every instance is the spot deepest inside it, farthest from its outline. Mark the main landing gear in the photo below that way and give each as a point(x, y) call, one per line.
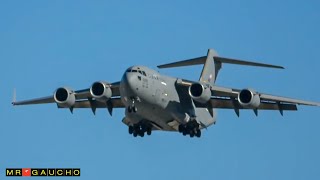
point(140, 130)
point(192, 128)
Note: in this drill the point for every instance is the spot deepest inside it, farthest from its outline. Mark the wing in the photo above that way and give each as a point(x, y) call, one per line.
point(233, 93)
point(227, 98)
point(83, 99)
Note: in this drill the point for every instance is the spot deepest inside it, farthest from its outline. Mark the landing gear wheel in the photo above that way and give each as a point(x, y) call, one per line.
point(129, 109)
point(192, 134)
point(184, 133)
point(198, 133)
point(181, 128)
point(130, 129)
point(134, 109)
point(141, 133)
point(135, 134)
point(149, 131)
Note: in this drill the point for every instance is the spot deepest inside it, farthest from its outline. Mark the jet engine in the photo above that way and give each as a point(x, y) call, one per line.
point(64, 97)
point(200, 93)
point(101, 91)
point(249, 98)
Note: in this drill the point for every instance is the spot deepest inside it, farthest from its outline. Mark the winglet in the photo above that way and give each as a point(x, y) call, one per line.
point(14, 98)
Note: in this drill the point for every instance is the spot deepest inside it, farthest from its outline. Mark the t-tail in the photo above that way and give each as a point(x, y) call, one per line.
point(212, 65)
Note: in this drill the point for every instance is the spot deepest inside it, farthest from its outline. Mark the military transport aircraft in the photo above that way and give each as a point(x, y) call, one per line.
point(157, 102)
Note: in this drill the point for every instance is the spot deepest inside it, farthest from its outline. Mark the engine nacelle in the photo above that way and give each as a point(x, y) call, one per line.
point(200, 93)
point(249, 98)
point(101, 91)
point(64, 97)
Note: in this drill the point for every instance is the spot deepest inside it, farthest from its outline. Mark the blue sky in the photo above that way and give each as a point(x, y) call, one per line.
point(48, 44)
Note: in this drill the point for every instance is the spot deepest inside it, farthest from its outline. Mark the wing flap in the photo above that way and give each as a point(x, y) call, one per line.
point(234, 104)
point(114, 103)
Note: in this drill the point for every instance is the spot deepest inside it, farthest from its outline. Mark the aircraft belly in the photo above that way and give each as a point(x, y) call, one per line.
point(155, 114)
point(161, 103)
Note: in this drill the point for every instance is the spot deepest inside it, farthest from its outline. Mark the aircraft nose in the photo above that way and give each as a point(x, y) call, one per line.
point(129, 81)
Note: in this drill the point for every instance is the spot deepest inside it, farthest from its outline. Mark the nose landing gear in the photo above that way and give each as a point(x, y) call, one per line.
point(132, 107)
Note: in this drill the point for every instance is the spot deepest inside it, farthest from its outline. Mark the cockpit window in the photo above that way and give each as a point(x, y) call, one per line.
point(137, 71)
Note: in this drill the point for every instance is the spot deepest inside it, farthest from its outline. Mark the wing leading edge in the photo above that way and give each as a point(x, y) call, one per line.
point(83, 99)
point(227, 98)
point(233, 93)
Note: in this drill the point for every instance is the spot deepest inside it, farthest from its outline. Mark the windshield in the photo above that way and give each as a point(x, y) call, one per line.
point(137, 71)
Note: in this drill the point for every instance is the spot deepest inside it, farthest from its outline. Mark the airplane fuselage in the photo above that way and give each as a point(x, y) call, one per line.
point(156, 98)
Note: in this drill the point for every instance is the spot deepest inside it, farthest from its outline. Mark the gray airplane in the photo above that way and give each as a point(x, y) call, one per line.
point(158, 102)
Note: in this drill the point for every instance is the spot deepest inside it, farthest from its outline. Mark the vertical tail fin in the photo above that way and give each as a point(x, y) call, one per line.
point(211, 68)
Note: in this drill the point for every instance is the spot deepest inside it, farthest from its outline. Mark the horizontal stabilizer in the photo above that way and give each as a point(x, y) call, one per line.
point(189, 62)
point(218, 59)
point(246, 63)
